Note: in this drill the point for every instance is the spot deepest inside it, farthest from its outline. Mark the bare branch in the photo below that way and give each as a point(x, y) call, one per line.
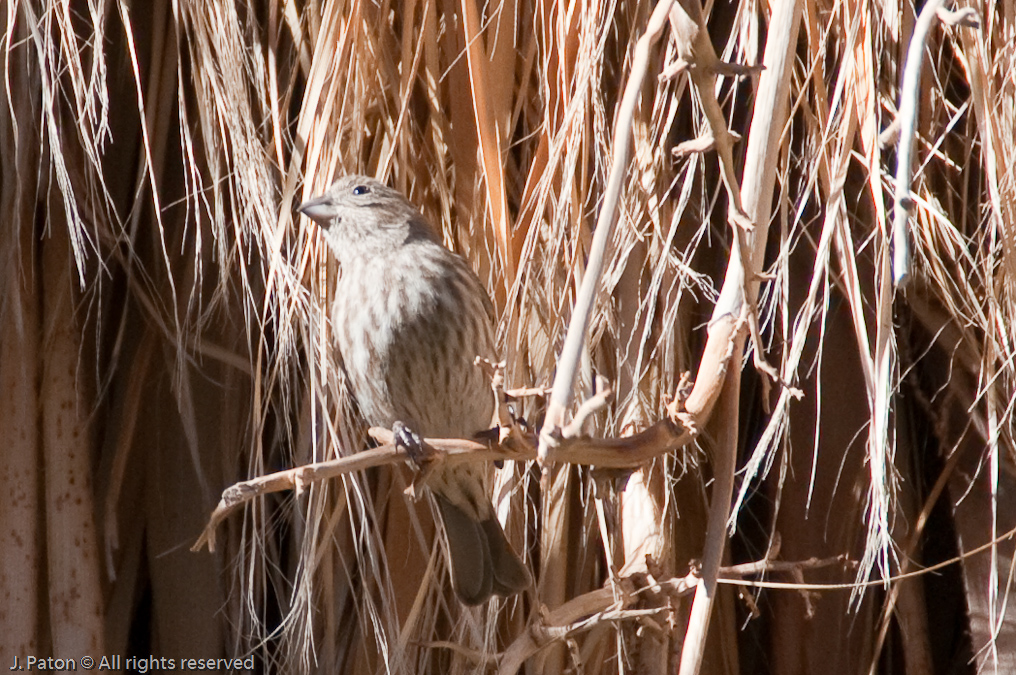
point(699, 145)
point(907, 123)
point(637, 597)
point(564, 380)
point(627, 452)
point(964, 16)
point(740, 285)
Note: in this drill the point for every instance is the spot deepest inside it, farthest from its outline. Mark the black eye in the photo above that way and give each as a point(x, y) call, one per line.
point(361, 190)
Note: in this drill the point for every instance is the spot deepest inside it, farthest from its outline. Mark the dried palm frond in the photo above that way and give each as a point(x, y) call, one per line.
point(164, 332)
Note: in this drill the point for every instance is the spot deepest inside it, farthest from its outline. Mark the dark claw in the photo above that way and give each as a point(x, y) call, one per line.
point(410, 441)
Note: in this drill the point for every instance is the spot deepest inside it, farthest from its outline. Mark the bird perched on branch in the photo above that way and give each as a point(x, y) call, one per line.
point(409, 319)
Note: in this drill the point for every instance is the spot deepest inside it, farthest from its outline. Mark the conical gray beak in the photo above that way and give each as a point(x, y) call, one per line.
point(318, 209)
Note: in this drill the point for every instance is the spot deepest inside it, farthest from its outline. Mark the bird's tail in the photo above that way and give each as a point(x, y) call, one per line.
point(482, 561)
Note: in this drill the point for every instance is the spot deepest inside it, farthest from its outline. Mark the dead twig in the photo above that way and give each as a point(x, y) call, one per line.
point(514, 444)
point(564, 380)
point(740, 285)
point(906, 124)
point(699, 145)
point(637, 597)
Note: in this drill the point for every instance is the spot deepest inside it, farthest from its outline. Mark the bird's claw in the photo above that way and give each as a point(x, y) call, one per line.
point(411, 442)
point(424, 457)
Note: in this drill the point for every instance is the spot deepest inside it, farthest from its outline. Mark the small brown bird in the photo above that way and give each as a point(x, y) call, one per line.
point(409, 319)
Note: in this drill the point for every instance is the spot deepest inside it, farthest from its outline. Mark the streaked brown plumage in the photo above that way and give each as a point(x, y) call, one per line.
point(409, 318)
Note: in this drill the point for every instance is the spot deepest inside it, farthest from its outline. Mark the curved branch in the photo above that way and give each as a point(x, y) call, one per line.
point(571, 353)
point(614, 453)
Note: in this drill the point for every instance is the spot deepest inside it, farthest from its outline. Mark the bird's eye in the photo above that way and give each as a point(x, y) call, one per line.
point(361, 190)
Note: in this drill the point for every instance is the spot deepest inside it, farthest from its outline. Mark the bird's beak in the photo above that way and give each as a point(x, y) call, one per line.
point(318, 209)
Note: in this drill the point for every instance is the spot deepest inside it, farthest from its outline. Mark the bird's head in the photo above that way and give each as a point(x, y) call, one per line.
point(359, 215)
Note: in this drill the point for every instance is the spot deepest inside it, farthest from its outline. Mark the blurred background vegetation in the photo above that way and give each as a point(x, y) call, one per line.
point(163, 332)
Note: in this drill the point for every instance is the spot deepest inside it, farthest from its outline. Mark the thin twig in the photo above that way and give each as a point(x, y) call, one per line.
point(618, 453)
point(906, 123)
point(635, 597)
point(740, 285)
point(567, 365)
point(907, 118)
point(592, 405)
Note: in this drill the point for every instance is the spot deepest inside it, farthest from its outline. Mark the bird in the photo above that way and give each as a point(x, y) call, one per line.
point(409, 319)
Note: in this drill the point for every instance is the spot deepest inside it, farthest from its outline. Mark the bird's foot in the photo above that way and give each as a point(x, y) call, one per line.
point(410, 441)
point(423, 457)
